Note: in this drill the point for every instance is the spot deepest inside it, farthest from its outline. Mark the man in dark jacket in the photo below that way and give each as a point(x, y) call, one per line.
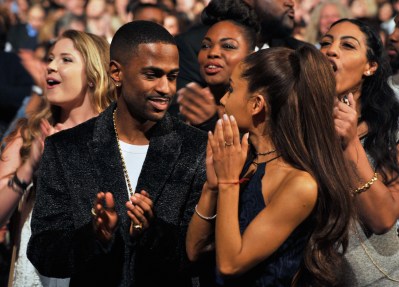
point(91, 222)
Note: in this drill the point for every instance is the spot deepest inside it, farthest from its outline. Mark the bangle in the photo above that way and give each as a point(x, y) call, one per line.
point(22, 185)
point(208, 218)
point(366, 186)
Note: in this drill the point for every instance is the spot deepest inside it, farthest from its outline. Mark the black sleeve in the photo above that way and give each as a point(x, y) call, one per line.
point(63, 241)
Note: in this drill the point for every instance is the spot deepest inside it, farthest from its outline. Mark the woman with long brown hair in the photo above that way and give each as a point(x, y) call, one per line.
point(281, 194)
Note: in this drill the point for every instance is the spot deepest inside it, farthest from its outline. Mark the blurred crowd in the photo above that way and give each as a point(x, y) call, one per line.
point(28, 28)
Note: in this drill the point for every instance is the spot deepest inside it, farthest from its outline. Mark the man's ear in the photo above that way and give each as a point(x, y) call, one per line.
point(258, 104)
point(115, 72)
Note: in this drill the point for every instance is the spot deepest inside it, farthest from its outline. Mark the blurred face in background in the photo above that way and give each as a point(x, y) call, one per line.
point(277, 14)
point(328, 15)
point(36, 17)
point(223, 47)
point(171, 23)
point(393, 44)
point(152, 14)
point(76, 7)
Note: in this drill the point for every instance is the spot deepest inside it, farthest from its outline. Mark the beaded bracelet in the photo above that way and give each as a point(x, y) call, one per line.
point(20, 184)
point(366, 186)
point(208, 218)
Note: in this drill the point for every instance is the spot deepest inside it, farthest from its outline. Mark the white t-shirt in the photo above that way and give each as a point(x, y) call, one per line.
point(394, 86)
point(134, 156)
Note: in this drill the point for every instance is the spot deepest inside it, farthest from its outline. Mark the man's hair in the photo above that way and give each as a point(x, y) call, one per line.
point(128, 37)
point(137, 7)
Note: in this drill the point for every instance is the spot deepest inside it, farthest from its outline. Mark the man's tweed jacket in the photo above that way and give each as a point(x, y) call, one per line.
point(79, 162)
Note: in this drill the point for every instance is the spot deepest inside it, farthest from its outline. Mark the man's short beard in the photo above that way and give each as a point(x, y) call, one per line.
point(395, 65)
point(275, 29)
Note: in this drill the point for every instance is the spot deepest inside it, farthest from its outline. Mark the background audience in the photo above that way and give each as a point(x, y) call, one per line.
point(29, 27)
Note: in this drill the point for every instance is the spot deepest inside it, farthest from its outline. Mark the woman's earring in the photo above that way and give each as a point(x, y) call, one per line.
point(91, 85)
point(117, 84)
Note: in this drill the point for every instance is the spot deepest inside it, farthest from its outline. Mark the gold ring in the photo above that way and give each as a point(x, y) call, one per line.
point(138, 227)
point(93, 211)
point(227, 144)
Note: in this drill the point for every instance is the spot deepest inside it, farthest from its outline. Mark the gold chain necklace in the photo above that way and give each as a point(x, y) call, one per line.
point(372, 259)
point(129, 185)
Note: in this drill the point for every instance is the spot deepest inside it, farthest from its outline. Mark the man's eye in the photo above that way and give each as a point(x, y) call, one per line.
point(150, 76)
point(172, 78)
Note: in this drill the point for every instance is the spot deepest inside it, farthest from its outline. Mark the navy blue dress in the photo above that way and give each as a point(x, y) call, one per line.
point(279, 269)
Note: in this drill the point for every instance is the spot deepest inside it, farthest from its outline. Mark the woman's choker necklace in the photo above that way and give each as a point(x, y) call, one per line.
point(265, 153)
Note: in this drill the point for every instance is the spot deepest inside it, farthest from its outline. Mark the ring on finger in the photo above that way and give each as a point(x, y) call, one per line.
point(138, 227)
point(93, 212)
point(227, 144)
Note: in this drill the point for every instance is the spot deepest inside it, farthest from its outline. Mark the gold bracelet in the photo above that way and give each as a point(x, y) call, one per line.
point(366, 186)
point(207, 218)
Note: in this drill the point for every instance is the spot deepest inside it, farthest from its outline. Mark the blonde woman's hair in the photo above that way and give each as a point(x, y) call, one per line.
point(95, 54)
point(312, 33)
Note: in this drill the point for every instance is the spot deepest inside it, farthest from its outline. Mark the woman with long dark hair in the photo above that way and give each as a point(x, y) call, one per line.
point(281, 195)
point(366, 119)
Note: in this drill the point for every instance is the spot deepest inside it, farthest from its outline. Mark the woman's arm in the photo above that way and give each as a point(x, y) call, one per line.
point(9, 163)
point(200, 232)
point(201, 229)
point(291, 204)
point(378, 205)
point(10, 166)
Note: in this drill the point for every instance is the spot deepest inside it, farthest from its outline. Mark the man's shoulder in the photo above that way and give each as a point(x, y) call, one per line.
point(96, 126)
point(78, 134)
point(187, 131)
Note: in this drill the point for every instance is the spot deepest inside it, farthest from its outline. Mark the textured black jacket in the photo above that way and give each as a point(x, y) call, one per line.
point(79, 162)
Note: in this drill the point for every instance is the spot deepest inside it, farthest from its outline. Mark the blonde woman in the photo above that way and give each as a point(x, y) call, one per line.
point(322, 17)
point(78, 88)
